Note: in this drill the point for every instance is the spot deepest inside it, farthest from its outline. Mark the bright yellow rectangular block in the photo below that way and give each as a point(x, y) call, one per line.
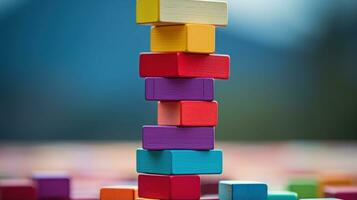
point(159, 12)
point(194, 38)
point(118, 192)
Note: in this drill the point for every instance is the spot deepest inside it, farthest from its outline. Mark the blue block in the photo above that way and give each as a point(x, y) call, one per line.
point(179, 162)
point(242, 190)
point(282, 195)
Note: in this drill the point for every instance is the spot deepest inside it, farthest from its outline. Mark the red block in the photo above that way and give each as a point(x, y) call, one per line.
point(184, 65)
point(17, 190)
point(179, 187)
point(187, 113)
point(341, 192)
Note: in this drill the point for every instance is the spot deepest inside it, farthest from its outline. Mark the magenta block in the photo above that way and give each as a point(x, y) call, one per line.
point(170, 89)
point(52, 185)
point(173, 137)
point(341, 192)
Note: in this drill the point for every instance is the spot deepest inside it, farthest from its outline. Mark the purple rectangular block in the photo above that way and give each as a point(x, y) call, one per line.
point(173, 137)
point(171, 89)
point(52, 185)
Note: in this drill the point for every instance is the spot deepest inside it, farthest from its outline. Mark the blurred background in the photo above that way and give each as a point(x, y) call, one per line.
point(69, 71)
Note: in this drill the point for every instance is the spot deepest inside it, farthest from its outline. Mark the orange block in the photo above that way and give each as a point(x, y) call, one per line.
point(187, 113)
point(118, 193)
point(334, 180)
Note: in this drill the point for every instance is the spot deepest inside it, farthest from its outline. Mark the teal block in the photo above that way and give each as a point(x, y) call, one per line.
point(242, 190)
point(179, 162)
point(282, 195)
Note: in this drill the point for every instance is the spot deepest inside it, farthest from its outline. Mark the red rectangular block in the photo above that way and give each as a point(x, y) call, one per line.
point(178, 187)
point(341, 192)
point(184, 65)
point(187, 113)
point(17, 190)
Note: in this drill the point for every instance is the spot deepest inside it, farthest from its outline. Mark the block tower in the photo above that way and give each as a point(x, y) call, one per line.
point(179, 73)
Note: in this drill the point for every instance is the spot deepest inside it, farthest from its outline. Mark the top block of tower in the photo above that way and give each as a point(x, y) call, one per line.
point(163, 12)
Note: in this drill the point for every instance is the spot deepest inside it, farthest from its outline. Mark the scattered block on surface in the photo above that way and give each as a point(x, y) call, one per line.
point(187, 113)
point(341, 192)
point(209, 197)
point(305, 188)
point(194, 38)
point(118, 193)
point(334, 180)
point(322, 199)
point(17, 189)
point(178, 187)
point(172, 137)
point(184, 65)
point(237, 190)
point(161, 12)
point(52, 185)
point(209, 185)
point(179, 162)
point(164, 89)
point(282, 195)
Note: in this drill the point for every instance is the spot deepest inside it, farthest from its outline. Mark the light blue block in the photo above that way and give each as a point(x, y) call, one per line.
point(282, 195)
point(242, 190)
point(179, 162)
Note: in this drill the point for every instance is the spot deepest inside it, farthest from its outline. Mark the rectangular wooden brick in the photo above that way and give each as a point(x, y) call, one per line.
point(52, 185)
point(236, 190)
point(168, 12)
point(179, 187)
point(184, 65)
point(187, 113)
point(118, 192)
point(179, 162)
point(17, 189)
point(169, 89)
point(194, 38)
point(172, 137)
point(341, 192)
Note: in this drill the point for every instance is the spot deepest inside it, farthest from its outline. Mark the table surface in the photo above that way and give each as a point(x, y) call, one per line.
point(94, 164)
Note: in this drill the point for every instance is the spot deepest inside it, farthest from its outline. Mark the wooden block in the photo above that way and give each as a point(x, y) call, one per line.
point(16, 189)
point(159, 12)
point(282, 195)
point(52, 185)
point(237, 190)
point(179, 187)
point(179, 162)
point(341, 192)
point(322, 199)
point(334, 179)
point(187, 113)
point(170, 89)
point(118, 192)
point(172, 137)
point(184, 65)
point(305, 188)
point(194, 38)
point(209, 197)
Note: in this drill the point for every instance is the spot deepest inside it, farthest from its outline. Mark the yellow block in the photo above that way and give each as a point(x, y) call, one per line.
point(195, 38)
point(161, 12)
point(118, 192)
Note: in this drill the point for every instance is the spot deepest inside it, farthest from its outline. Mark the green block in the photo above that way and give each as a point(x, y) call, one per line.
point(305, 188)
point(282, 195)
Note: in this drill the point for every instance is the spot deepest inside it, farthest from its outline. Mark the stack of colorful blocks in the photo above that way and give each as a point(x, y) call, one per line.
point(180, 72)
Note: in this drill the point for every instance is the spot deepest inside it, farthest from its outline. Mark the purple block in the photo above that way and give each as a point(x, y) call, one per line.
point(172, 137)
point(52, 185)
point(157, 89)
